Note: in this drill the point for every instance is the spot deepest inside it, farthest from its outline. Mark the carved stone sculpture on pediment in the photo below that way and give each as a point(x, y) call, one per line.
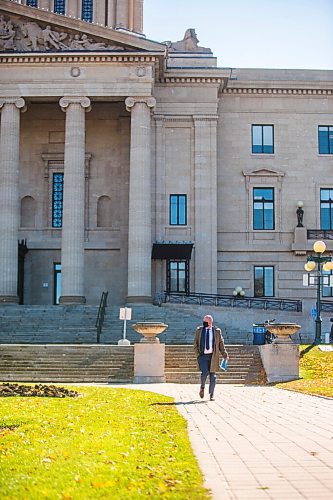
point(188, 44)
point(29, 36)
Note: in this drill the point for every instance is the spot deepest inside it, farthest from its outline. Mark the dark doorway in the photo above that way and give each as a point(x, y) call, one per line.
point(22, 251)
point(178, 276)
point(56, 282)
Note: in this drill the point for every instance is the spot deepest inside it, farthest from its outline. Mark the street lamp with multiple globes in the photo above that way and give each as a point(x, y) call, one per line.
point(323, 264)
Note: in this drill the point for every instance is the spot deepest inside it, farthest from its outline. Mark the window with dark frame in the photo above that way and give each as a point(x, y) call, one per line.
point(263, 281)
point(327, 291)
point(262, 139)
point(32, 3)
point(263, 209)
point(60, 6)
point(325, 140)
point(87, 10)
point(326, 209)
point(178, 276)
point(57, 199)
point(178, 210)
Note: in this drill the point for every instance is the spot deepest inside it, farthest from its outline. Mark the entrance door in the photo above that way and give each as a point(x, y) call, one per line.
point(57, 282)
point(178, 279)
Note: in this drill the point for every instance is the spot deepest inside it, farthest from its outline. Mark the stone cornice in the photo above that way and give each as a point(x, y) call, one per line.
point(91, 57)
point(278, 91)
point(192, 79)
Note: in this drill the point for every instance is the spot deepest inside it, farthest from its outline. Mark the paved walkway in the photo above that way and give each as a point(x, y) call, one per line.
point(258, 442)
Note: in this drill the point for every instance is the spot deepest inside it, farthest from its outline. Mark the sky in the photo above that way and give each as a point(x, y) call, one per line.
point(249, 33)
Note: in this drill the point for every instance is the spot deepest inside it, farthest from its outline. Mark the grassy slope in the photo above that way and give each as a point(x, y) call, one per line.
point(316, 371)
point(108, 443)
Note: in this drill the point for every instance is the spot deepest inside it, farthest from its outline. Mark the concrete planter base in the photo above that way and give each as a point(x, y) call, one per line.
point(280, 361)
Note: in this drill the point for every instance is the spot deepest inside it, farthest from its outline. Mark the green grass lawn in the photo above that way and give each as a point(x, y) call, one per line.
point(107, 443)
point(316, 372)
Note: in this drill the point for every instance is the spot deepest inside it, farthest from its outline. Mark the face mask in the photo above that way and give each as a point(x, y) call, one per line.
point(205, 324)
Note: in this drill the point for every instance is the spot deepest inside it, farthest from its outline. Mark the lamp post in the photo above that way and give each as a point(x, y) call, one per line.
point(323, 264)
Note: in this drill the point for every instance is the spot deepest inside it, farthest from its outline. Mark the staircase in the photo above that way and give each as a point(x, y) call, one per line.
point(115, 364)
point(244, 366)
point(66, 363)
point(48, 324)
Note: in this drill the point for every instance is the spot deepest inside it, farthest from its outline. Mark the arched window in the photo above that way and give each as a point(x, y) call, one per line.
point(32, 3)
point(87, 10)
point(60, 6)
point(28, 212)
point(104, 212)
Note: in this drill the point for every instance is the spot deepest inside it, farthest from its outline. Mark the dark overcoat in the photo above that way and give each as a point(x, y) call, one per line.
point(218, 347)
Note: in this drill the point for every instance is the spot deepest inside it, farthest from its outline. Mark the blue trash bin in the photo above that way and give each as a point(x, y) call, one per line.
point(259, 333)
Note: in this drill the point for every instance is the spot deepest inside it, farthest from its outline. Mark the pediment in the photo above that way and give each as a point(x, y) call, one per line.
point(28, 29)
point(263, 172)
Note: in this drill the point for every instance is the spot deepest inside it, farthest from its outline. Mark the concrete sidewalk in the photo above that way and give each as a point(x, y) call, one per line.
point(258, 442)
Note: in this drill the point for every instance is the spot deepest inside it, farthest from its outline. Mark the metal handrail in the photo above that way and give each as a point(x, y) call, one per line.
point(100, 315)
point(230, 301)
point(319, 234)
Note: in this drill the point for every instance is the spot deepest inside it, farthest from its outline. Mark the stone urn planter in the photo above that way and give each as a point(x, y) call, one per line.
point(282, 331)
point(149, 330)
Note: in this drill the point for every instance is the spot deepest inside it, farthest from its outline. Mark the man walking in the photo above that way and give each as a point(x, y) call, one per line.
point(208, 343)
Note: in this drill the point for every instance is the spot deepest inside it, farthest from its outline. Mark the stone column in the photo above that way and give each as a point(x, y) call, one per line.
point(139, 222)
point(122, 13)
point(72, 245)
point(205, 193)
point(9, 196)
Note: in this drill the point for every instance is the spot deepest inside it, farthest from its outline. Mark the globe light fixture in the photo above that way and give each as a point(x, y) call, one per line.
point(300, 204)
point(323, 264)
point(319, 247)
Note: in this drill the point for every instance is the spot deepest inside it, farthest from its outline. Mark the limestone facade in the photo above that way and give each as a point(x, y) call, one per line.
point(164, 126)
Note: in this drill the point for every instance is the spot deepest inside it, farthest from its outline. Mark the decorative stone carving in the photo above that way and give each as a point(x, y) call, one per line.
point(188, 44)
point(31, 37)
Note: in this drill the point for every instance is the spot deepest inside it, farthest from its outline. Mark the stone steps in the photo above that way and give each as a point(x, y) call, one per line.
point(115, 364)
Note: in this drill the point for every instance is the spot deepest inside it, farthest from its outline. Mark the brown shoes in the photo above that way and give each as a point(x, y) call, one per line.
point(202, 392)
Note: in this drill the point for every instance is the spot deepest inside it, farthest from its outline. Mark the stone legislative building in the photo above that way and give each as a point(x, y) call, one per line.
point(138, 166)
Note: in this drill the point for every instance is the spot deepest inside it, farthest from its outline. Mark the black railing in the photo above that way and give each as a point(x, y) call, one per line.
point(230, 301)
point(319, 234)
point(100, 315)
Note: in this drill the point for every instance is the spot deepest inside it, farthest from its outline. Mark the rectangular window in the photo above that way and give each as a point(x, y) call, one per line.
point(262, 139)
point(325, 140)
point(263, 208)
point(264, 281)
point(32, 3)
point(327, 291)
point(326, 209)
point(57, 199)
point(60, 6)
point(178, 210)
point(87, 10)
point(177, 276)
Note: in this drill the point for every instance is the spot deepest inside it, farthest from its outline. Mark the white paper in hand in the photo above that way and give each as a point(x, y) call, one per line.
point(224, 364)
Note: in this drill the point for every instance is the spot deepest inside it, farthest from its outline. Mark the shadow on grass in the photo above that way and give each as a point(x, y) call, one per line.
point(177, 403)
point(307, 349)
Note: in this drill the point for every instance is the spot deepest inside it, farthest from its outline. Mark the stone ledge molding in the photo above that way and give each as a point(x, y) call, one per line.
point(279, 91)
point(75, 58)
point(205, 118)
point(82, 100)
point(131, 101)
point(19, 102)
point(192, 79)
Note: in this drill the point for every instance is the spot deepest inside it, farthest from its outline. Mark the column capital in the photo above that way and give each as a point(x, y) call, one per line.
point(131, 101)
point(82, 100)
point(19, 102)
